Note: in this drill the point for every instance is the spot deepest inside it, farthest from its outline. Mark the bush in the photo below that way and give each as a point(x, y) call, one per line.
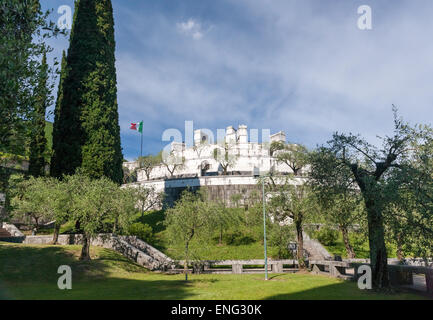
point(142, 231)
point(280, 237)
point(327, 236)
point(237, 238)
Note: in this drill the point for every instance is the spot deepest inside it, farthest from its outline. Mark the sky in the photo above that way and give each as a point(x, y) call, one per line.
point(300, 66)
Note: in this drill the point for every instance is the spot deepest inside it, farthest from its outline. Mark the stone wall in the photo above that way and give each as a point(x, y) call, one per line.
point(130, 247)
point(221, 192)
point(219, 187)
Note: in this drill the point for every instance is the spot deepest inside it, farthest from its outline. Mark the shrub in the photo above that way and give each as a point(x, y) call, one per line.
point(327, 236)
point(142, 231)
point(280, 238)
point(237, 238)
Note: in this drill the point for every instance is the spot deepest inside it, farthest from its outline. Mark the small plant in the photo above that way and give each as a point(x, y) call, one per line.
point(142, 231)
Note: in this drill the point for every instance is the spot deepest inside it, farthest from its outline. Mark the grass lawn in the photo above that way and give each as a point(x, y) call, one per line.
point(30, 272)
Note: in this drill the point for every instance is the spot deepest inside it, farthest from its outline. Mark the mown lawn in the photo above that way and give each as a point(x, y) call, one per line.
point(30, 272)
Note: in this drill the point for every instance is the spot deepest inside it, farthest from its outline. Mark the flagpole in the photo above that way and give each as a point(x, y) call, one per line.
point(141, 149)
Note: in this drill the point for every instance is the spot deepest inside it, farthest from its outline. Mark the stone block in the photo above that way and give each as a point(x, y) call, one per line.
point(237, 268)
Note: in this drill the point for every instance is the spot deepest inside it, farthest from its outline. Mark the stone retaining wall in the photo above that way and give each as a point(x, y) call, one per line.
point(143, 254)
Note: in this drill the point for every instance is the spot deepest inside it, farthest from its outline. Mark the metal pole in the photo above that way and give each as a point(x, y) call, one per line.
point(141, 149)
point(264, 230)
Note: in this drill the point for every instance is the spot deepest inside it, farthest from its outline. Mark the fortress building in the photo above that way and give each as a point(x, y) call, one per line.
point(226, 167)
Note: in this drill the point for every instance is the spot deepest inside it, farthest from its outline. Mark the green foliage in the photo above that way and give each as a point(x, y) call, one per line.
point(56, 143)
point(280, 236)
point(147, 198)
point(99, 205)
point(38, 143)
point(95, 202)
point(295, 156)
point(87, 128)
point(190, 218)
point(142, 231)
point(326, 236)
point(24, 31)
point(370, 168)
point(225, 218)
point(409, 215)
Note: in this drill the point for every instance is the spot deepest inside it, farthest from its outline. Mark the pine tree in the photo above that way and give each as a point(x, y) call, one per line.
point(38, 143)
point(88, 132)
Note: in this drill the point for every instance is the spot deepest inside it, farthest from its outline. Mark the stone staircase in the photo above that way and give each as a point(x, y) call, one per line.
point(315, 249)
point(129, 246)
point(4, 234)
point(158, 259)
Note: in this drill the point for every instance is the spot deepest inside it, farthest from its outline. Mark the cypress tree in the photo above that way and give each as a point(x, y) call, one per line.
point(88, 132)
point(38, 142)
point(55, 169)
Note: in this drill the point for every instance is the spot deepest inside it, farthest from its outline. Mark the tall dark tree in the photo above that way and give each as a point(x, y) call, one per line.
point(38, 141)
point(56, 157)
point(88, 132)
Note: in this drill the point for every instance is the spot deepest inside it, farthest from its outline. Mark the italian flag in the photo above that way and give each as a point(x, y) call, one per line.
point(137, 126)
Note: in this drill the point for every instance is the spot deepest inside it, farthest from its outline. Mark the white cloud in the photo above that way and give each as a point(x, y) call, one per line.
point(280, 65)
point(191, 28)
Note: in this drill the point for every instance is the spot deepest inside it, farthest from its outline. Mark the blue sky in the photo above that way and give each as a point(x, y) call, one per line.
point(301, 66)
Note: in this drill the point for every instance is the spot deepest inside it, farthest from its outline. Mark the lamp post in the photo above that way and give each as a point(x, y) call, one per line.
point(264, 229)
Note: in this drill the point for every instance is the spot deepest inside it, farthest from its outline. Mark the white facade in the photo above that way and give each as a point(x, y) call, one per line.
point(246, 158)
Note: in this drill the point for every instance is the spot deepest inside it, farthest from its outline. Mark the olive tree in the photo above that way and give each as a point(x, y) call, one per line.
point(291, 200)
point(224, 155)
point(30, 202)
point(148, 163)
point(409, 215)
point(97, 202)
point(190, 218)
point(147, 198)
point(337, 193)
point(371, 167)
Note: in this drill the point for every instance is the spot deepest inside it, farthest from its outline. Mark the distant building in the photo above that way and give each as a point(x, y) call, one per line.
point(225, 168)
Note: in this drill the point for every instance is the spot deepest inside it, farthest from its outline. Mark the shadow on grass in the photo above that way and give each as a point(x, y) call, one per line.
point(344, 291)
point(30, 273)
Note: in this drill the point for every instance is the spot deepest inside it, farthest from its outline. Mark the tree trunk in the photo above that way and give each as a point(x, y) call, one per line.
point(399, 248)
point(349, 249)
point(300, 251)
point(378, 254)
point(85, 251)
point(185, 264)
point(56, 233)
point(77, 225)
point(36, 227)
